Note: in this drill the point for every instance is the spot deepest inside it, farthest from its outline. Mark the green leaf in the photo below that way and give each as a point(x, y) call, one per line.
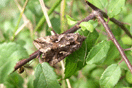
point(70, 20)
point(87, 69)
point(30, 81)
point(129, 77)
point(96, 73)
point(45, 77)
point(10, 53)
point(56, 24)
point(14, 80)
point(98, 52)
point(122, 84)
point(87, 26)
point(126, 40)
point(76, 60)
point(112, 54)
point(101, 4)
point(35, 8)
point(115, 7)
point(4, 3)
point(110, 76)
point(87, 83)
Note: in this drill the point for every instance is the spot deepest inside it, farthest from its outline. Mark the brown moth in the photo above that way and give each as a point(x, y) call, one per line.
point(54, 48)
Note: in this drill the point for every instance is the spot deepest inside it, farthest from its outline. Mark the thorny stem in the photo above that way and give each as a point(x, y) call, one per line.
point(112, 37)
point(115, 41)
point(24, 61)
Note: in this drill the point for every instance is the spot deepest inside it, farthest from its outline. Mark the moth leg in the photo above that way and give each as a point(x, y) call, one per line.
point(54, 60)
point(43, 58)
point(77, 42)
point(38, 56)
point(40, 61)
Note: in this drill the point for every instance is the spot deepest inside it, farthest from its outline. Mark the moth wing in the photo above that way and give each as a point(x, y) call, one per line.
point(44, 44)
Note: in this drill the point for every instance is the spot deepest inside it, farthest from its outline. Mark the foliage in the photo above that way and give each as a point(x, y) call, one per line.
point(96, 64)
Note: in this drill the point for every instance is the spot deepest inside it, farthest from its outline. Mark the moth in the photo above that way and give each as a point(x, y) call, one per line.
point(54, 48)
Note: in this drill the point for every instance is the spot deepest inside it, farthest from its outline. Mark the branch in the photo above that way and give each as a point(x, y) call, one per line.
point(127, 49)
point(114, 40)
point(112, 37)
point(120, 24)
point(24, 61)
point(76, 27)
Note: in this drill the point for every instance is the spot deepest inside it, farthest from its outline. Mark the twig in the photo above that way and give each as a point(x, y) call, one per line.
point(24, 61)
point(121, 61)
point(112, 37)
point(120, 24)
point(76, 27)
point(127, 49)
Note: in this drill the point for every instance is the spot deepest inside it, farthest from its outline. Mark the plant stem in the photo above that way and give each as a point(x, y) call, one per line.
point(25, 4)
point(63, 69)
point(25, 19)
point(42, 20)
point(62, 21)
point(112, 37)
point(99, 15)
point(62, 15)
